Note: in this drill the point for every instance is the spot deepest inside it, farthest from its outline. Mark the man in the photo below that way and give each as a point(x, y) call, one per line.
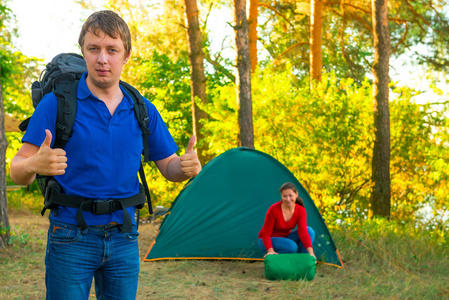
point(99, 162)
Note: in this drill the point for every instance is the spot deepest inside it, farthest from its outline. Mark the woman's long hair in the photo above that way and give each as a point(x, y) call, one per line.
point(291, 186)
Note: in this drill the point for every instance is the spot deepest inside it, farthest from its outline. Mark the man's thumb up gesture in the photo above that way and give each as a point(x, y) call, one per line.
point(48, 161)
point(190, 164)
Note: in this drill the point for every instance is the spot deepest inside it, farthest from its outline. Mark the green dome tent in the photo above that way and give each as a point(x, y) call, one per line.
point(219, 213)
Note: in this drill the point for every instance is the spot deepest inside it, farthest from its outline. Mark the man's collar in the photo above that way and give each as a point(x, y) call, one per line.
point(83, 91)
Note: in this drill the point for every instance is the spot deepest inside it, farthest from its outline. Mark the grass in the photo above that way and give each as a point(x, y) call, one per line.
point(379, 264)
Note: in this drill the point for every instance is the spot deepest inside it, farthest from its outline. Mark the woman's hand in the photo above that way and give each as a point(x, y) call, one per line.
point(269, 252)
point(310, 251)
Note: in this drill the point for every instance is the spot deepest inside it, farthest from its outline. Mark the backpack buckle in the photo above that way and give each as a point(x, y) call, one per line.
point(101, 207)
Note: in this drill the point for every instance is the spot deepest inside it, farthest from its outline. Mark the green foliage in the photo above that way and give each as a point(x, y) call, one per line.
point(26, 201)
point(16, 70)
point(419, 28)
point(222, 127)
point(15, 239)
point(7, 30)
point(16, 73)
point(393, 241)
point(154, 25)
point(410, 252)
point(4, 230)
point(166, 84)
point(428, 27)
point(321, 136)
point(419, 152)
point(324, 137)
point(284, 31)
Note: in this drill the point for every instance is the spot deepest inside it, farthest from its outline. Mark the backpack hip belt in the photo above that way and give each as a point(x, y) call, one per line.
point(54, 197)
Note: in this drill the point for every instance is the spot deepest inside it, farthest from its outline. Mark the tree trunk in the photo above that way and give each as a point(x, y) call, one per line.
point(380, 194)
point(198, 79)
point(4, 220)
point(316, 28)
point(253, 13)
point(243, 80)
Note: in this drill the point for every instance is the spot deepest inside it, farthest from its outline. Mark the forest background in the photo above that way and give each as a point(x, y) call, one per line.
point(324, 135)
point(322, 130)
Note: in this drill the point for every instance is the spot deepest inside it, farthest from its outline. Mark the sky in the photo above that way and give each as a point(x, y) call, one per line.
point(49, 27)
point(59, 23)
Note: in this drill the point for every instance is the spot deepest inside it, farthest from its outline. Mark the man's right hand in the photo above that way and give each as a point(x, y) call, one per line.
point(48, 161)
point(31, 160)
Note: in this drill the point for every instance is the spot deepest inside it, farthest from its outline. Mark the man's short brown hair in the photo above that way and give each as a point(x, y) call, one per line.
point(111, 24)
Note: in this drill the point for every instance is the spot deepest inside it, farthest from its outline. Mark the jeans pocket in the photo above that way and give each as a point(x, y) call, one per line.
point(132, 236)
point(61, 234)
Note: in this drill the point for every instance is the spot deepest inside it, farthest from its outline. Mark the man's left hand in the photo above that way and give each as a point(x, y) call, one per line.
point(190, 164)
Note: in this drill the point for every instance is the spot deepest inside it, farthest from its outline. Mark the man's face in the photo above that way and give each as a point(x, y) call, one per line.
point(105, 57)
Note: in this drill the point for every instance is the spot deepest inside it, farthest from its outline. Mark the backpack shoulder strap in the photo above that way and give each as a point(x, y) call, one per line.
point(24, 124)
point(65, 91)
point(146, 189)
point(140, 110)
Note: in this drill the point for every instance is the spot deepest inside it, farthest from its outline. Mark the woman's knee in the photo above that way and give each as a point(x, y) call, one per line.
point(261, 246)
point(284, 245)
point(311, 233)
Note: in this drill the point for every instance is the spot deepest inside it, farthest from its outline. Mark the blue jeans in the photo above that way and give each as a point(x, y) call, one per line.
point(105, 253)
point(289, 244)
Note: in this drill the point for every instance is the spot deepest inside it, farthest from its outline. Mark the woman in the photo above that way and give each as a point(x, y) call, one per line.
point(276, 235)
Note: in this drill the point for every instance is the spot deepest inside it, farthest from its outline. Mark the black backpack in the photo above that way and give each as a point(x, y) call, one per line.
point(61, 76)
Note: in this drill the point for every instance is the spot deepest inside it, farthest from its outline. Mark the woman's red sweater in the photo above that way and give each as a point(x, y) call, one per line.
point(276, 226)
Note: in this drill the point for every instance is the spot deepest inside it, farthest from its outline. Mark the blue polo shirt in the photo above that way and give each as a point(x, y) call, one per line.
point(104, 152)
